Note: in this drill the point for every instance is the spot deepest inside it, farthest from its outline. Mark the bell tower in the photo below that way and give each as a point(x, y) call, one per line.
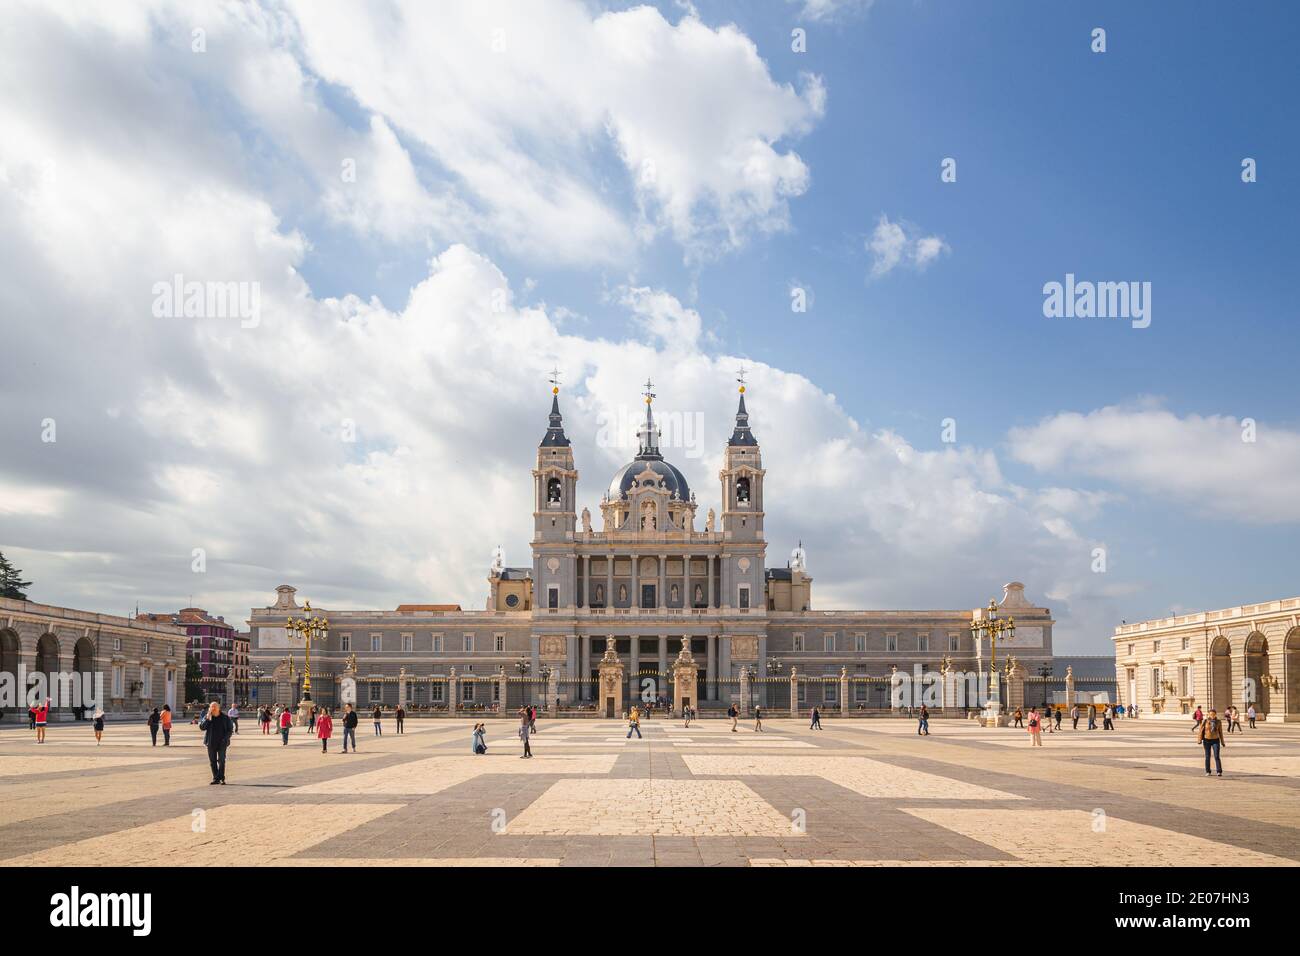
point(555, 480)
point(742, 479)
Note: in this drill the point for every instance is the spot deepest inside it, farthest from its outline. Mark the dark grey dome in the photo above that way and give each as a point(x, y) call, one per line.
point(672, 479)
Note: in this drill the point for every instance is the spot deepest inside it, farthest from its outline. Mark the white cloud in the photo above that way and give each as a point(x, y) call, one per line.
point(1200, 460)
point(897, 243)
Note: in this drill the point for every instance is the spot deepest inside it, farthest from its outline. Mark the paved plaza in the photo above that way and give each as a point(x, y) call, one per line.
point(861, 792)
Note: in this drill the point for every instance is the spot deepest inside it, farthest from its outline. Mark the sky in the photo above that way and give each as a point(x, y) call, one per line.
point(423, 209)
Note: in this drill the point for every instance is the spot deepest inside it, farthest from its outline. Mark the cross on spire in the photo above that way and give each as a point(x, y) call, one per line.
point(648, 393)
point(555, 378)
point(740, 376)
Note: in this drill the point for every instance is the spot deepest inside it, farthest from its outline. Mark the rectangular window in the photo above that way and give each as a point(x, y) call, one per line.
point(1155, 647)
point(346, 641)
point(1187, 642)
point(1184, 680)
point(953, 642)
point(1156, 690)
point(860, 642)
point(469, 644)
point(145, 649)
point(118, 680)
point(376, 642)
point(117, 643)
point(923, 642)
point(798, 642)
point(437, 643)
point(859, 693)
point(891, 642)
point(408, 643)
point(552, 597)
point(496, 692)
point(500, 643)
point(803, 692)
point(744, 597)
point(146, 682)
point(828, 642)
point(467, 690)
point(376, 692)
point(831, 692)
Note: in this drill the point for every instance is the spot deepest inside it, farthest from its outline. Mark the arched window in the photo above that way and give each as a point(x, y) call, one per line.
point(742, 490)
point(553, 491)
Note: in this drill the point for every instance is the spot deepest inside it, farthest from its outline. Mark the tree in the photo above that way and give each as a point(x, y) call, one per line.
point(193, 680)
point(12, 584)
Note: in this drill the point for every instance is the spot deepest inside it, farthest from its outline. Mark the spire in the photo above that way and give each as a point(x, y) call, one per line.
point(742, 435)
point(647, 433)
point(555, 436)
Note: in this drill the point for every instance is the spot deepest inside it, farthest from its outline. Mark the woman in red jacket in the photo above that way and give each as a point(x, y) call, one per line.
point(324, 727)
point(42, 712)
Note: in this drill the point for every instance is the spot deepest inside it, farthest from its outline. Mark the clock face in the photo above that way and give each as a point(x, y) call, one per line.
point(512, 600)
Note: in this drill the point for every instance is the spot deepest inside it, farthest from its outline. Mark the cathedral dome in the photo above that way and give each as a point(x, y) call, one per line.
point(668, 477)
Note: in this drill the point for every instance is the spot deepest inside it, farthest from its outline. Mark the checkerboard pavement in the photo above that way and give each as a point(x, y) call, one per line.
point(861, 792)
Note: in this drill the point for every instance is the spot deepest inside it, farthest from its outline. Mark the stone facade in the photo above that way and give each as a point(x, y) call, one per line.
point(141, 663)
point(647, 583)
point(1236, 655)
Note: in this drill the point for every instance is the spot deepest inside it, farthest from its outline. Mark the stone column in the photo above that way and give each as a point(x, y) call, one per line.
point(710, 666)
point(710, 564)
point(1015, 686)
point(609, 582)
point(503, 686)
point(634, 599)
point(684, 680)
point(401, 687)
point(634, 658)
point(661, 599)
point(453, 696)
point(895, 683)
point(553, 688)
point(611, 683)
point(687, 602)
point(844, 691)
point(1069, 688)
point(794, 692)
point(230, 688)
point(744, 692)
point(586, 580)
point(663, 660)
point(584, 666)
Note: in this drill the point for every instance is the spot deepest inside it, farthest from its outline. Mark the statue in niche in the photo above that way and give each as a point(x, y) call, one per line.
point(586, 520)
point(699, 596)
point(709, 521)
point(600, 594)
point(674, 594)
point(622, 594)
point(648, 517)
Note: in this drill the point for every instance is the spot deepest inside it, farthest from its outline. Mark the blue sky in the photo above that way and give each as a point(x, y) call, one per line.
point(1115, 166)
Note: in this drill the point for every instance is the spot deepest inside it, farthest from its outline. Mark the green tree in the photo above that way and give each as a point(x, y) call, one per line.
point(12, 584)
point(193, 679)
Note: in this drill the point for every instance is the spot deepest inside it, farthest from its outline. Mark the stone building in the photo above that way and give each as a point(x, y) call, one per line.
point(655, 576)
point(139, 661)
point(213, 643)
point(1236, 655)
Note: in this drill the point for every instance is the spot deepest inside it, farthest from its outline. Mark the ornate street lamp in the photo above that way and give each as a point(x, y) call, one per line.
point(309, 628)
point(992, 627)
point(523, 666)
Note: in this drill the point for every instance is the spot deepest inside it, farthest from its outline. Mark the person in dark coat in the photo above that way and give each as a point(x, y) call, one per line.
point(155, 719)
point(217, 729)
point(350, 727)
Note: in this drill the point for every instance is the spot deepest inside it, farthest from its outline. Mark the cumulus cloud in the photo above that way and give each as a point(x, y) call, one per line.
point(897, 243)
point(1225, 466)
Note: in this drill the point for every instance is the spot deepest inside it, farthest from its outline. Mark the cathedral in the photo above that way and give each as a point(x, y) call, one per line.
point(650, 582)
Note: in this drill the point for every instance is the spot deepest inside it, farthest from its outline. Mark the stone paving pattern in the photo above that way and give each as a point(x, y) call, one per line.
point(861, 792)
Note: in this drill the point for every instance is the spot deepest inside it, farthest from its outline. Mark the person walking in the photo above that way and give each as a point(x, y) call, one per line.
point(154, 721)
point(1251, 714)
point(350, 721)
point(31, 717)
point(324, 729)
point(1059, 715)
point(1035, 728)
point(758, 719)
point(401, 718)
point(734, 713)
point(286, 721)
point(165, 719)
point(525, 731)
point(99, 726)
point(532, 718)
point(816, 720)
point(378, 718)
point(266, 720)
point(1210, 735)
point(233, 714)
point(1019, 718)
point(1074, 716)
point(1092, 716)
point(1197, 717)
point(312, 711)
point(217, 730)
point(1107, 719)
point(634, 723)
point(480, 739)
point(686, 716)
point(923, 726)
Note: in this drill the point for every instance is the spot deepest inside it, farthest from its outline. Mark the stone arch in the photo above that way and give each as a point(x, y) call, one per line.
point(1220, 674)
point(1256, 670)
point(11, 649)
point(1291, 671)
point(47, 661)
point(83, 665)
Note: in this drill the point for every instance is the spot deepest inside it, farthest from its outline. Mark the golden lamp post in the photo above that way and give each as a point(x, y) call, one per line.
point(309, 628)
point(994, 628)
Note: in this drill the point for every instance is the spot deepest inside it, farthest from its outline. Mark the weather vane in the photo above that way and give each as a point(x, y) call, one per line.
point(740, 377)
point(649, 395)
point(555, 380)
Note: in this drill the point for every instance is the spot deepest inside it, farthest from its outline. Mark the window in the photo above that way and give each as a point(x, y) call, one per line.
point(828, 642)
point(1130, 650)
point(469, 644)
point(831, 692)
point(512, 600)
point(145, 649)
point(798, 642)
point(1187, 642)
point(923, 642)
point(953, 642)
point(118, 680)
point(436, 692)
point(496, 692)
point(376, 692)
point(437, 643)
point(467, 690)
point(891, 642)
point(742, 491)
point(346, 641)
point(146, 682)
point(376, 642)
point(499, 643)
point(552, 596)
point(1156, 690)
point(744, 597)
point(859, 692)
point(803, 691)
point(1184, 681)
point(408, 643)
point(1155, 647)
point(859, 642)
point(117, 643)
